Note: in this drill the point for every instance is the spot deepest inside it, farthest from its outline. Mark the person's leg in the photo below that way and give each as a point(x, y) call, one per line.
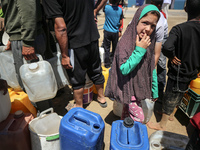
point(94, 71)
point(161, 75)
point(115, 37)
point(106, 45)
point(18, 59)
point(78, 97)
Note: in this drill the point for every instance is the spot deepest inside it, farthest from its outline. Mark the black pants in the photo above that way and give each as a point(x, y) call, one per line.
point(108, 38)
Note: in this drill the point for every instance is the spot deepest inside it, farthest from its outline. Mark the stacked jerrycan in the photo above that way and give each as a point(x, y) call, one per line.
point(44, 131)
point(20, 101)
point(7, 68)
point(14, 133)
point(39, 80)
point(128, 134)
point(81, 129)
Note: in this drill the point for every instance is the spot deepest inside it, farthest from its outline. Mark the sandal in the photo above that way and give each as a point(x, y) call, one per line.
point(69, 106)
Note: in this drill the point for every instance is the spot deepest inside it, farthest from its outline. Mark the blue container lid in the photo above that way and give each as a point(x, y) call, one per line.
point(126, 138)
point(82, 126)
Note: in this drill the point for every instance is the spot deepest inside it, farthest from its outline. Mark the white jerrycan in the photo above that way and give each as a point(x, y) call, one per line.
point(7, 68)
point(59, 71)
point(39, 80)
point(5, 106)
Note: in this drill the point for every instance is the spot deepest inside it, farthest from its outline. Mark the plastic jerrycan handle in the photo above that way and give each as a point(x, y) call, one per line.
point(81, 119)
point(38, 55)
point(44, 112)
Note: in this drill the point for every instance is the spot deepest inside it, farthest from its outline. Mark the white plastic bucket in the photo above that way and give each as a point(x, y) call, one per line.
point(7, 68)
point(167, 140)
point(44, 131)
point(61, 76)
point(39, 80)
point(5, 106)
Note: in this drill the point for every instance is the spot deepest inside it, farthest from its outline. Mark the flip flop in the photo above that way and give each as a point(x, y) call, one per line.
point(103, 105)
point(69, 106)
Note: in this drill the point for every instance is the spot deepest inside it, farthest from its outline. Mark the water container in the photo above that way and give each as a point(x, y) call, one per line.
point(39, 80)
point(147, 107)
point(117, 108)
point(88, 91)
point(81, 129)
point(14, 133)
point(128, 134)
point(7, 68)
point(105, 72)
point(20, 101)
point(102, 54)
point(5, 106)
point(167, 140)
point(59, 71)
point(195, 85)
point(44, 131)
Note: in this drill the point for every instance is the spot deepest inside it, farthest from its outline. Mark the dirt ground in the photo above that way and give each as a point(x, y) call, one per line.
point(177, 126)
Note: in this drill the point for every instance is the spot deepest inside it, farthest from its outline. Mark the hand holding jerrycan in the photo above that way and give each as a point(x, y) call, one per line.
point(39, 80)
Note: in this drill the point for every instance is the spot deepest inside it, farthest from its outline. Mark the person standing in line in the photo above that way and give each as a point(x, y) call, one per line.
point(133, 76)
point(113, 21)
point(76, 30)
point(165, 7)
point(160, 59)
point(182, 49)
point(23, 23)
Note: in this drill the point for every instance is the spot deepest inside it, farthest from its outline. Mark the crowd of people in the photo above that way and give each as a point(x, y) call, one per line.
point(141, 50)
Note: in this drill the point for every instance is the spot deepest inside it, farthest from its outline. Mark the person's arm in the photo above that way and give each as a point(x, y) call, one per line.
point(136, 55)
point(133, 60)
point(157, 50)
point(99, 7)
point(3, 86)
point(154, 86)
point(28, 15)
point(169, 46)
point(61, 36)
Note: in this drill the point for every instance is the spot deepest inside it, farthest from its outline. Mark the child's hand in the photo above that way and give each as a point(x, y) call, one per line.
point(144, 42)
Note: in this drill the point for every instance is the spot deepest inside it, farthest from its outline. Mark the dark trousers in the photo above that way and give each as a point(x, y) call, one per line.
point(108, 38)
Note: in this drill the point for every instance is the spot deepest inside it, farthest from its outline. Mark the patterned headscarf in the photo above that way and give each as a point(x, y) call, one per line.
point(138, 83)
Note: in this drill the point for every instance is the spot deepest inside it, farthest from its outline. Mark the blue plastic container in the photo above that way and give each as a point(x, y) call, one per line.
point(81, 129)
point(128, 135)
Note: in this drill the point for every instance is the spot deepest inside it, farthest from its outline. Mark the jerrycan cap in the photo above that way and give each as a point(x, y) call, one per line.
point(128, 122)
point(33, 66)
point(18, 114)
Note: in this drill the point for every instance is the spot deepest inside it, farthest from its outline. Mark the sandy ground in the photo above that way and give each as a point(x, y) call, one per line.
point(177, 126)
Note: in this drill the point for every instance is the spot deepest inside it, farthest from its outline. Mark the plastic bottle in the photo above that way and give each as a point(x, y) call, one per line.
point(39, 80)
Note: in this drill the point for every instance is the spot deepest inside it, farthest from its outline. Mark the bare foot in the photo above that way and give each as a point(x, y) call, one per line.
point(155, 126)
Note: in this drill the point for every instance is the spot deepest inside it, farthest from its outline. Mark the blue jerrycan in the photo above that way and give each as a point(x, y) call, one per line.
point(81, 129)
point(128, 135)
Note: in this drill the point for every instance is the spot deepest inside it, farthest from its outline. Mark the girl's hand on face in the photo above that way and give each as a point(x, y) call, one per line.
point(144, 42)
